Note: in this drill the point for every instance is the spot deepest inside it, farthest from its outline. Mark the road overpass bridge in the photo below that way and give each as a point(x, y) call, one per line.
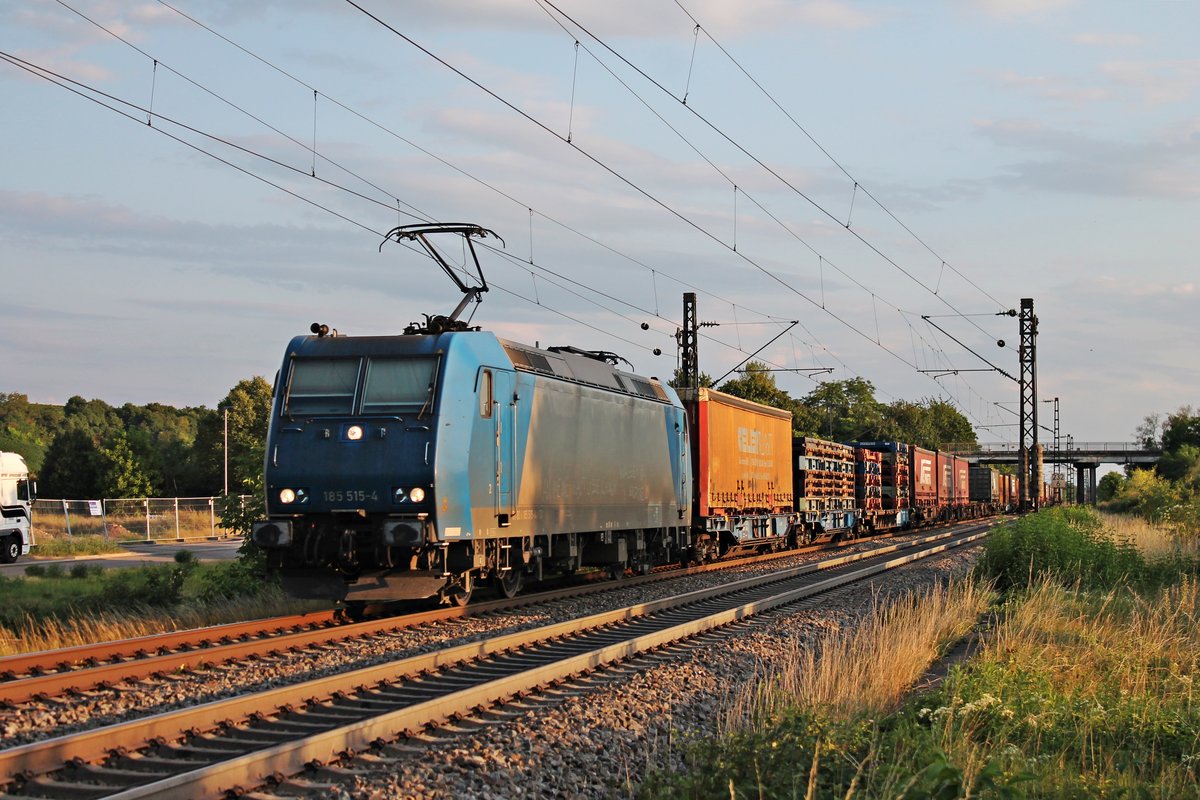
point(1085, 457)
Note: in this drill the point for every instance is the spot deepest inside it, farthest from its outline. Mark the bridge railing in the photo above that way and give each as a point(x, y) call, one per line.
point(1090, 448)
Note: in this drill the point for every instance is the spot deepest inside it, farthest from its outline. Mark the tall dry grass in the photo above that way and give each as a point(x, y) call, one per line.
point(1156, 542)
point(866, 669)
point(52, 634)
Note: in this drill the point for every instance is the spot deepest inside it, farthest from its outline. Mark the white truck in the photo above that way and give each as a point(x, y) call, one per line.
point(17, 494)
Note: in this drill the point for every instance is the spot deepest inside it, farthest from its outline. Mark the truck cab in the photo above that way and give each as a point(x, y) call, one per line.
point(17, 494)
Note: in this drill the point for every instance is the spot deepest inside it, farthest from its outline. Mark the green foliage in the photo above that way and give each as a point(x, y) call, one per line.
point(806, 754)
point(227, 580)
point(150, 586)
point(85, 545)
point(120, 474)
point(249, 408)
point(83, 571)
point(846, 411)
point(1109, 486)
point(1181, 465)
point(1067, 544)
point(72, 467)
point(676, 381)
point(50, 592)
point(757, 384)
point(238, 514)
point(86, 449)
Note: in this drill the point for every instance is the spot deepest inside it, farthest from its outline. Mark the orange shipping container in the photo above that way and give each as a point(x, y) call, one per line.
point(741, 453)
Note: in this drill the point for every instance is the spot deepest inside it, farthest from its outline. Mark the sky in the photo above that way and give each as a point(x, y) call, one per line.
point(893, 177)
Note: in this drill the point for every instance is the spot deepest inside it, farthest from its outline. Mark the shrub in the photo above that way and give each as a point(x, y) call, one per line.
point(1067, 544)
point(227, 580)
point(84, 571)
point(148, 585)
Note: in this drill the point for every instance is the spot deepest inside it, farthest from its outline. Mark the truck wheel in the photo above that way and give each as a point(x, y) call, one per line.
point(11, 550)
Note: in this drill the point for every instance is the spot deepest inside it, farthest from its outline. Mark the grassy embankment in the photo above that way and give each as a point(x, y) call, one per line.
point(1083, 686)
point(56, 607)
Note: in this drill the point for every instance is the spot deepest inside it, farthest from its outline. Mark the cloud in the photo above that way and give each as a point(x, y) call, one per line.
point(1020, 9)
point(635, 18)
point(1168, 167)
point(1147, 82)
point(1156, 82)
point(1097, 39)
point(1056, 88)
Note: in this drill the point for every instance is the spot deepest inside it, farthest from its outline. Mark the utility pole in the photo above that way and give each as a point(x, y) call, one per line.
point(227, 451)
point(1057, 453)
point(1030, 473)
point(688, 356)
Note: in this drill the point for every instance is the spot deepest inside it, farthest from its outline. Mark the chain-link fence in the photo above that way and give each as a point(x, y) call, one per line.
point(130, 519)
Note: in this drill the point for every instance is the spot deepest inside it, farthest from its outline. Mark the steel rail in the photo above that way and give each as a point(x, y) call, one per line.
point(52, 673)
point(42, 757)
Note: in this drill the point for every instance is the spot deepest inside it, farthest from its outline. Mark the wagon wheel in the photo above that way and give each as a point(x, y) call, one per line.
point(510, 582)
point(616, 570)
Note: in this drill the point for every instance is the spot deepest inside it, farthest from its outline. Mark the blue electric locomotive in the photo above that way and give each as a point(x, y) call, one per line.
point(418, 465)
point(410, 466)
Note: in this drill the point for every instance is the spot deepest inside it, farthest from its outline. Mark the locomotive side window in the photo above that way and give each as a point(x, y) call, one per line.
point(396, 384)
point(322, 386)
point(485, 393)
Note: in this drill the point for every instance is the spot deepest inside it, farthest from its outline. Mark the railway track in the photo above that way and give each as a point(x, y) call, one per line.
point(53, 673)
point(231, 745)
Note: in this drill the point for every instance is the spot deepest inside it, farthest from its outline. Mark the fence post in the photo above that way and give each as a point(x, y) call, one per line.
point(146, 505)
point(178, 533)
point(104, 516)
point(212, 519)
point(66, 517)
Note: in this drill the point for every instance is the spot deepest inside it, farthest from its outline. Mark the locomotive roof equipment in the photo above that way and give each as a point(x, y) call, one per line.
point(420, 233)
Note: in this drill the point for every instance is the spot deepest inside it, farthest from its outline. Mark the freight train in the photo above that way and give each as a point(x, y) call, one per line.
point(422, 465)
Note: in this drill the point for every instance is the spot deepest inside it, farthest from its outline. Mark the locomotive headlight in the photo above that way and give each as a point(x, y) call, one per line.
point(287, 496)
point(417, 494)
point(354, 433)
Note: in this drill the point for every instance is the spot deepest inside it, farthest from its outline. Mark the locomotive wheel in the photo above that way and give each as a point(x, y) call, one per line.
point(509, 583)
point(459, 593)
point(355, 610)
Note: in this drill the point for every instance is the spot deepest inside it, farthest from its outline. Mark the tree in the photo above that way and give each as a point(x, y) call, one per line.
point(1180, 464)
point(28, 428)
point(72, 467)
point(119, 471)
point(1109, 486)
point(757, 384)
point(847, 411)
point(677, 381)
point(1181, 428)
point(249, 408)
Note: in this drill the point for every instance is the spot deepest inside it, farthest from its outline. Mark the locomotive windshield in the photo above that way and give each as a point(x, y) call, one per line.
point(322, 386)
point(394, 384)
point(330, 386)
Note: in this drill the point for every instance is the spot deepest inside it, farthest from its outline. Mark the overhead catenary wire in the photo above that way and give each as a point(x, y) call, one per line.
point(633, 185)
point(830, 156)
point(314, 154)
point(114, 104)
point(774, 173)
point(450, 165)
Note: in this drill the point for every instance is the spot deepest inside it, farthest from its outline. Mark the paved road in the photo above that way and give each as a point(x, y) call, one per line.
point(135, 555)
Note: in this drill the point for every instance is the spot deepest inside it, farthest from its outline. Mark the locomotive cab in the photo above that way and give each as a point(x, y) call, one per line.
point(348, 473)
